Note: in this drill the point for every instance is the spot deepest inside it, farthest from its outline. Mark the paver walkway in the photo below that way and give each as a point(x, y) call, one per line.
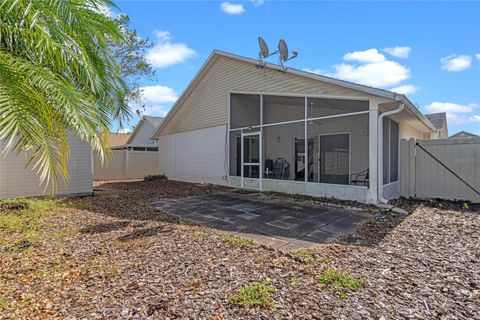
point(281, 224)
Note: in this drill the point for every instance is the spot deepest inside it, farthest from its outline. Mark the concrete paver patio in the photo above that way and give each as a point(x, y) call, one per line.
point(281, 224)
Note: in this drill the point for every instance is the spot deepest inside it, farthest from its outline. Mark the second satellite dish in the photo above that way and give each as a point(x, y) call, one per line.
point(264, 53)
point(283, 49)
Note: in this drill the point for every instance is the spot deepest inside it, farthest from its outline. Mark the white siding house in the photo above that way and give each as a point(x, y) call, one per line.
point(141, 138)
point(245, 124)
point(16, 180)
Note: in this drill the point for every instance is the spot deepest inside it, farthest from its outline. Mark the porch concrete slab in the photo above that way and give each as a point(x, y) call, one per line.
point(279, 223)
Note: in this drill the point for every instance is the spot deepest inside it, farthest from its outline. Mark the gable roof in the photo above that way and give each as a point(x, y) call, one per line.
point(342, 83)
point(154, 121)
point(439, 120)
point(463, 134)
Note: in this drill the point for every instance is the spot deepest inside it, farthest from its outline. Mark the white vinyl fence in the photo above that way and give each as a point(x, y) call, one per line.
point(444, 168)
point(126, 164)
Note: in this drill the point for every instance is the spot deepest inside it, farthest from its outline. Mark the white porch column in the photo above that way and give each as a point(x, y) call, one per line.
point(373, 151)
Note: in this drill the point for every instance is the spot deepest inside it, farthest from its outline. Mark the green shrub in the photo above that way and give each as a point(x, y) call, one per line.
point(340, 282)
point(155, 177)
point(255, 294)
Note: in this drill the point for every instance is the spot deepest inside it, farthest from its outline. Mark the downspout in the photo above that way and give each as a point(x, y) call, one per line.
point(380, 150)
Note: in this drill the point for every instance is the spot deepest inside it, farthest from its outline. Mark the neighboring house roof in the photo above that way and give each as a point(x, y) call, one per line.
point(439, 120)
point(463, 134)
point(148, 124)
point(350, 85)
point(117, 139)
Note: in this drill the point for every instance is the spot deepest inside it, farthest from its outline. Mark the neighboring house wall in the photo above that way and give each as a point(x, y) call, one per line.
point(143, 135)
point(207, 105)
point(195, 156)
point(18, 181)
point(125, 165)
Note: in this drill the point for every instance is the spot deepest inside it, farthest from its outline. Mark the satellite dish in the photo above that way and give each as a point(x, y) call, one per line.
point(283, 49)
point(264, 53)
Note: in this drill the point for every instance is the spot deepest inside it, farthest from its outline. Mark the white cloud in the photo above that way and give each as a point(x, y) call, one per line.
point(457, 114)
point(450, 107)
point(370, 55)
point(157, 100)
point(477, 56)
point(399, 52)
point(454, 63)
point(405, 89)
point(162, 35)
point(165, 53)
point(457, 119)
point(125, 130)
point(158, 94)
point(380, 74)
point(232, 8)
point(369, 67)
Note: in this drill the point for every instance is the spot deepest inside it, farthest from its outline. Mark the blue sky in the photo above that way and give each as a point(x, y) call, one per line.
point(428, 50)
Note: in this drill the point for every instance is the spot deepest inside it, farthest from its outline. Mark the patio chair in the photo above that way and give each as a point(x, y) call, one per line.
point(280, 169)
point(360, 178)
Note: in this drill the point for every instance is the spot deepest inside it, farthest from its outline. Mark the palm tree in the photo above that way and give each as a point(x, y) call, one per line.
point(57, 77)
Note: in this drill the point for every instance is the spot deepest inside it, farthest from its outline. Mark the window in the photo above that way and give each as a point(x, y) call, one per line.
point(390, 150)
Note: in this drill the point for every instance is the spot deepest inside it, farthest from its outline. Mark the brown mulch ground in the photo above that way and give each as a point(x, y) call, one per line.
point(111, 256)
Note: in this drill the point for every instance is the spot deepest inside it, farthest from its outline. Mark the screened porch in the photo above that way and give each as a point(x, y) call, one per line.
point(296, 144)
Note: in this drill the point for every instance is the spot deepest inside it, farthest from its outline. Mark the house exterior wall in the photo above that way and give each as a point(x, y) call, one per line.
point(195, 156)
point(144, 134)
point(207, 105)
point(18, 181)
point(407, 132)
point(392, 190)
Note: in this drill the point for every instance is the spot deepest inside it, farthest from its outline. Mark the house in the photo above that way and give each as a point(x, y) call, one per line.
point(141, 139)
point(464, 134)
point(439, 120)
point(116, 139)
point(254, 125)
point(16, 180)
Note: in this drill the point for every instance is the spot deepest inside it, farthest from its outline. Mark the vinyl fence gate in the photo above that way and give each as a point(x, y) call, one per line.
point(441, 169)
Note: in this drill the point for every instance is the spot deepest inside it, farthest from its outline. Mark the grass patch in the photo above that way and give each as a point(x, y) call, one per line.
point(79, 204)
point(255, 294)
point(239, 242)
point(23, 217)
point(294, 281)
point(309, 258)
point(341, 282)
